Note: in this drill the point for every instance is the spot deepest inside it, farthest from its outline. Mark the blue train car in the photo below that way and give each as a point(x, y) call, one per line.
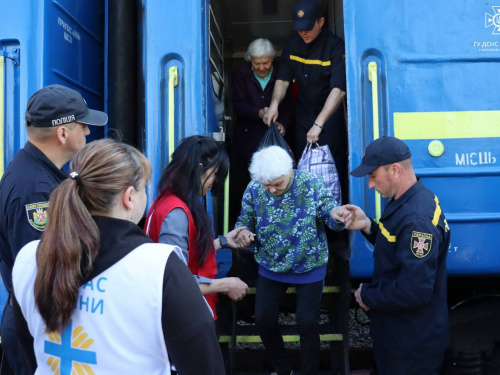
point(425, 72)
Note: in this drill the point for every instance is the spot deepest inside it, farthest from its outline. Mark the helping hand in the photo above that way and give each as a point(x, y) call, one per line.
point(357, 294)
point(232, 236)
point(244, 238)
point(360, 220)
point(343, 215)
point(237, 289)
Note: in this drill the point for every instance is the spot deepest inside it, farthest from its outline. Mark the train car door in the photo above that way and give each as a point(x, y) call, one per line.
point(427, 72)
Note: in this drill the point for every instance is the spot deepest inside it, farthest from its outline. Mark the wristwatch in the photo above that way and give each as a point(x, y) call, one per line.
point(223, 241)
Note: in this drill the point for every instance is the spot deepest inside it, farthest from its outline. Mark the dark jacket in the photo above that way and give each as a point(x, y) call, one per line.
point(407, 295)
point(317, 68)
point(24, 201)
point(248, 99)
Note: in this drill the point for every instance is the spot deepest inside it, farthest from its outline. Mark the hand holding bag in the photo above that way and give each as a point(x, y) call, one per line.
point(273, 137)
point(319, 160)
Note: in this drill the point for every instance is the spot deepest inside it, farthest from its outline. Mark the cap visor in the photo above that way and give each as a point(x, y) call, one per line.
point(93, 117)
point(362, 170)
point(303, 25)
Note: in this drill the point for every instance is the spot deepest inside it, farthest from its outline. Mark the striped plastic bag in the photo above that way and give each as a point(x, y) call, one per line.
point(319, 160)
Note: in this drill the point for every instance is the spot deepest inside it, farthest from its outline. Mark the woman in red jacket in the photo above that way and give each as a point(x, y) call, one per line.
point(178, 216)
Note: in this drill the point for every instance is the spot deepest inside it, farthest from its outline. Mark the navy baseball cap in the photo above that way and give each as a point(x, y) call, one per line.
point(305, 14)
point(382, 151)
point(56, 105)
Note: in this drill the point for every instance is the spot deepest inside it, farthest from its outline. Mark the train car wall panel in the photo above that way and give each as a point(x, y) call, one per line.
point(174, 35)
point(437, 89)
point(53, 42)
point(73, 49)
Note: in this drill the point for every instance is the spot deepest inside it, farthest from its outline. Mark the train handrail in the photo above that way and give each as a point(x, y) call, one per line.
point(373, 77)
point(226, 205)
point(2, 115)
point(172, 82)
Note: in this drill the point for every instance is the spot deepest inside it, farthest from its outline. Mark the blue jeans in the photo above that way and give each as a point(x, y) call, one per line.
point(267, 309)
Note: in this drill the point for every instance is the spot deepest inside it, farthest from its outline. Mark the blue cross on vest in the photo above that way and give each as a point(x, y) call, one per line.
point(67, 353)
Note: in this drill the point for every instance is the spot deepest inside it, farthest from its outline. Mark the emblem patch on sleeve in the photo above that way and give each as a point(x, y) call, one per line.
point(420, 244)
point(37, 215)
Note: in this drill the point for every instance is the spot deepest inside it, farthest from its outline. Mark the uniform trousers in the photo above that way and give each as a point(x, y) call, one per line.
point(387, 364)
point(267, 309)
point(10, 345)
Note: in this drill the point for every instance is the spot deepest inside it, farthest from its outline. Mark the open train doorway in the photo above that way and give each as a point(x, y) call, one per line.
point(234, 25)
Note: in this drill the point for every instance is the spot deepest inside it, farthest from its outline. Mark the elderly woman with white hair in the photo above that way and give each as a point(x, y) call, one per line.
point(253, 86)
point(285, 211)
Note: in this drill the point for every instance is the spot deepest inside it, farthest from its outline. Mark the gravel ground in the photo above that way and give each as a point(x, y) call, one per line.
point(359, 332)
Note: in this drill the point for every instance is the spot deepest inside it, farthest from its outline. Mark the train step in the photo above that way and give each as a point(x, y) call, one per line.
point(328, 289)
point(248, 334)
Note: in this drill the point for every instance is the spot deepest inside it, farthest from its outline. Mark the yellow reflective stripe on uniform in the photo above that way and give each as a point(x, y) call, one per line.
point(310, 62)
point(386, 233)
point(437, 212)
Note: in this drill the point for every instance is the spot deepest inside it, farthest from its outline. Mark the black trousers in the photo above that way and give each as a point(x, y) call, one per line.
point(390, 365)
point(267, 308)
point(10, 345)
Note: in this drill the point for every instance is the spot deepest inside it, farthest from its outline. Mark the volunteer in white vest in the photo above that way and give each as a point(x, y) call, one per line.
point(96, 295)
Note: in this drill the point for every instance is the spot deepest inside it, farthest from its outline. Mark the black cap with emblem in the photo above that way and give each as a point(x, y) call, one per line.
point(382, 151)
point(305, 14)
point(56, 105)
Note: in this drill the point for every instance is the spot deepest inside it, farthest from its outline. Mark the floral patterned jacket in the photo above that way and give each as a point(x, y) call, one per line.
point(290, 235)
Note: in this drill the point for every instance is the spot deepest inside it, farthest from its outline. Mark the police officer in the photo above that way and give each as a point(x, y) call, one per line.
point(406, 298)
point(56, 126)
point(313, 57)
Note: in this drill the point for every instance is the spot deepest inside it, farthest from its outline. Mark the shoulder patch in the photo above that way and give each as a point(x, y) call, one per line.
point(420, 244)
point(37, 215)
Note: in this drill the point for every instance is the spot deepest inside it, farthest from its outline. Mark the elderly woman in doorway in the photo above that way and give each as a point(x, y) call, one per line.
point(252, 92)
point(285, 211)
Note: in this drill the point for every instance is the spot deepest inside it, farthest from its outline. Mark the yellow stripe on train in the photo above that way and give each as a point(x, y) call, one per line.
point(447, 125)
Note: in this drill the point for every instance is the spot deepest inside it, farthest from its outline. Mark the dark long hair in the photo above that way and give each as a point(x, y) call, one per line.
point(182, 177)
point(71, 241)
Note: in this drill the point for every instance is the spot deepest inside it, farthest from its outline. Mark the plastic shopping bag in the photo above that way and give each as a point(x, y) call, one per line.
point(319, 160)
point(273, 137)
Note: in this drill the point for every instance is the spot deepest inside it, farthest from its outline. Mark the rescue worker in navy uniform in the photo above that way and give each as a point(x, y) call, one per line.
point(406, 298)
point(56, 126)
point(313, 57)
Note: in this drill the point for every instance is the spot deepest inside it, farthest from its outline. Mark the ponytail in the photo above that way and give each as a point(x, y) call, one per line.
point(102, 170)
point(65, 255)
